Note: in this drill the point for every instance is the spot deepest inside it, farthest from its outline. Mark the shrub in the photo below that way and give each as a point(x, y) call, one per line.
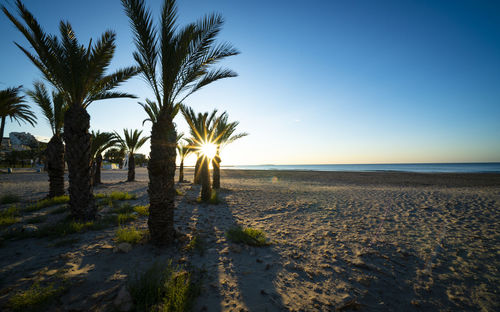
point(47, 202)
point(125, 208)
point(9, 199)
point(129, 235)
point(142, 210)
point(117, 196)
point(196, 244)
point(125, 217)
point(35, 298)
point(9, 216)
point(247, 236)
point(163, 288)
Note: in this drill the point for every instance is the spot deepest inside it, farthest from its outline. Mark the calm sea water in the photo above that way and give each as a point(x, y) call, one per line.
point(439, 167)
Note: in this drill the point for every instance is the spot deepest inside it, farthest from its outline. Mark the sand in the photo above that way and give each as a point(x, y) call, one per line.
point(339, 241)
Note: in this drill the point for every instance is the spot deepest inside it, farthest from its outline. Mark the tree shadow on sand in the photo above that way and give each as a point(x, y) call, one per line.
point(238, 277)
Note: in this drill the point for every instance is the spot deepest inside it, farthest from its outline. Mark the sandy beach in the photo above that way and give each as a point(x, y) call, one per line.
point(382, 241)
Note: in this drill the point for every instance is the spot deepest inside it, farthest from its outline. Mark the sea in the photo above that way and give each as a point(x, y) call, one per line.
point(491, 167)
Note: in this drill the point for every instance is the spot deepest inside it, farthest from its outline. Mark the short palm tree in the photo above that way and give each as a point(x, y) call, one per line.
point(53, 110)
point(131, 142)
point(202, 128)
point(12, 105)
point(100, 142)
point(184, 150)
point(176, 62)
point(77, 71)
point(224, 135)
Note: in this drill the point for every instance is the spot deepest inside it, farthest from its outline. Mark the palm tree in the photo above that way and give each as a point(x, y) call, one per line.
point(101, 141)
point(53, 110)
point(202, 128)
point(184, 150)
point(131, 142)
point(176, 62)
point(77, 71)
point(224, 135)
point(12, 106)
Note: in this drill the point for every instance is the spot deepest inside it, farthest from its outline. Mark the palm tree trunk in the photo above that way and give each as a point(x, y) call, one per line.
point(77, 138)
point(131, 168)
point(216, 172)
point(181, 171)
point(2, 128)
point(55, 166)
point(197, 175)
point(161, 188)
point(206, 190)
point(97, 169)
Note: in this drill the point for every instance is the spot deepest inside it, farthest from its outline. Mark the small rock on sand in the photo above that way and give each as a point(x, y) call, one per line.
point(123, 247)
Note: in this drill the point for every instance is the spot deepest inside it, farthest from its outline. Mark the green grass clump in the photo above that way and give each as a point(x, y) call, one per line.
point(196, 244)
point(47, 202)
point(142, 210)
point(126, 217)
point(9, 199)
point(117, 196)
point(129, 235)
point(125, 208)
point(35, 298)
point(65, 228)
point(163, 288)
point(9, 216)
point(178, 193)
point(247, 236)
point(214, 198)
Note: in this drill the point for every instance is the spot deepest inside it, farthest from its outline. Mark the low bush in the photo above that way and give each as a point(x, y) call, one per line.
point(163, 288)
point(47, 202)
point(247, 236)
point(129, 235)
point(9, 216)
point(36, 298)
point(117, 196)
point(142, 210)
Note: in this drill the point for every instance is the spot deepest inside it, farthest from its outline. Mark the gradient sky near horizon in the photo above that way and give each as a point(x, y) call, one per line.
point(320, 82)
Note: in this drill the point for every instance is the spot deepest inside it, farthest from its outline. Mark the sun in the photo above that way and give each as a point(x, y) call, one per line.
point(209, 150)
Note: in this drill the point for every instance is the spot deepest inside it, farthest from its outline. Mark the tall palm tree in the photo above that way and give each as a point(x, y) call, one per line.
point(12, 105)
point(77, 71)
point(202, 128)
point(184, 150)
point(176, 62)
point(53, 110)
point(100, 142)
point(224, 135)
point(131, 142)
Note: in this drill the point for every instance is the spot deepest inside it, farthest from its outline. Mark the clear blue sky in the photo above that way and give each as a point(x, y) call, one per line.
point(320, 81)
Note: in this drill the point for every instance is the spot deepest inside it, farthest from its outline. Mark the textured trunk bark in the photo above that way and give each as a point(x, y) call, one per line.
point(97, 169)
point(161, 187)
point(77, 138)
point(206, 190)
point(181, 171)
point(131, 168)
point(55, 166)
point(2, 128)
point(197, 175)
point(216, 172)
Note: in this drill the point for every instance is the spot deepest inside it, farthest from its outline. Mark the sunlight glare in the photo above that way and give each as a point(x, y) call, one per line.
point(209, 150)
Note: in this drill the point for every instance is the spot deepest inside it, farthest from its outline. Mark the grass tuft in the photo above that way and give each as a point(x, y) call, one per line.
point(129, 235)
point(178, 192)
point(125, 208)
point(116, 196)
point(47, 202)
point(126, 217)
point(142, 210)
point(163, 288)
point(196, 244)
point(59, 210)
point(9, 199)
point(9, 216)
point(35, 298)
point(247, 236)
